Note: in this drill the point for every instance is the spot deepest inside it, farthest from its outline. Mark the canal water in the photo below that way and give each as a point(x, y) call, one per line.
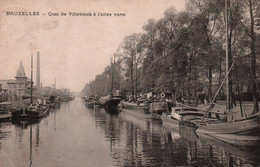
point(74, 135)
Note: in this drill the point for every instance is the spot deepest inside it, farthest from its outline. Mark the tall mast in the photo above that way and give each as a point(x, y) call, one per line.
point(135, 92)
point(119, 70)
point(32, 79)
point(112, 74)
point(228, 91)
point(38, 77)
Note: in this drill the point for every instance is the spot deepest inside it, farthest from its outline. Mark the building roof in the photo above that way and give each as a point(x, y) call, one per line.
point(20, 71)
point(5, 83)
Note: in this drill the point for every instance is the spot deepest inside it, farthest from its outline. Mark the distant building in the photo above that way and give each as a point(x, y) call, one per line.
point(18, 88)
point(3, 92)
point(8, 89)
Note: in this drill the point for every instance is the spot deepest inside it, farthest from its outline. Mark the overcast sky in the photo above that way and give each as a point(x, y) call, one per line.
point(74, 49)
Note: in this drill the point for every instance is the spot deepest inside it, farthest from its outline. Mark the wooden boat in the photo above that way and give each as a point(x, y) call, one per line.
point(216, 126)
point(36, 111)
point(132, 105)
point(141, 109)
point(226, 124)
point(32, 111)
point(181, 114)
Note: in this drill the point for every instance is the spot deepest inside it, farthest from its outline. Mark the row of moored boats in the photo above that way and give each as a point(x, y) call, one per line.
point(35, 110)
point(210, 119)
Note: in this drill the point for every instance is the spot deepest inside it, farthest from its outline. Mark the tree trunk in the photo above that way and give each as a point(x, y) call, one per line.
point(196, 82)
point(132, 75)
point(220, 73)
point(135, 75)
point(253, 57)
point(210, 83)
point(189, 78)
point(152, 79)
point(120, 79)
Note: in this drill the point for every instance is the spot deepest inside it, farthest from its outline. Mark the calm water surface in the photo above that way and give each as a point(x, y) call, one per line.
point(74, 135)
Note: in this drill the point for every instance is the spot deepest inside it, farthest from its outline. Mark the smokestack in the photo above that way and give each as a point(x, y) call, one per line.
point(55, 83)
point(38, 81)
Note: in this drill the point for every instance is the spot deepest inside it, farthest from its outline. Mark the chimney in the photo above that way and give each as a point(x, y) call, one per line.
point(55, 83)
point(38, 81)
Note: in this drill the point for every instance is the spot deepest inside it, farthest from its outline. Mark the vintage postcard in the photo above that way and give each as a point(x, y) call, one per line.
point(129, 83)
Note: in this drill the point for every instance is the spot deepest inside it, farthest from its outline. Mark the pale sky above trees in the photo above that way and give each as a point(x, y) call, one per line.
point(74, 49)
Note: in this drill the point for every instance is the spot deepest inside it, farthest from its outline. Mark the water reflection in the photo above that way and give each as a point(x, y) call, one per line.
point(219, 152)
point(30, 146)
point(133, 141)
point(37, 134)
point(136, 141)
point(25, 122)
point(74, 135)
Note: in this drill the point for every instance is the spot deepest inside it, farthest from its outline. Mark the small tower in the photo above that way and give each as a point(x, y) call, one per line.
point(21, 81)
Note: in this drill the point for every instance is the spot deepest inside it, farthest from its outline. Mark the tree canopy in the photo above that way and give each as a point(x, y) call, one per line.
point(184, 53)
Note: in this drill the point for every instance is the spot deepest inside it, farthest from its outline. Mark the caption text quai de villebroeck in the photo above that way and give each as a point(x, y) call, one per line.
point(36, 13)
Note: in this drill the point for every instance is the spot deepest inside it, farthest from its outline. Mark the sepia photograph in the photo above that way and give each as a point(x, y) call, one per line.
point(129, 83)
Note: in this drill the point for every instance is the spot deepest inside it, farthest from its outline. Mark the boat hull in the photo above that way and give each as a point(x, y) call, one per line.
point(5, 117)
point(110, 104)
point(30, 113)
point(180, 118)
point(131, 105)
point(17, 112)
point(239, 127)
point(158, 107)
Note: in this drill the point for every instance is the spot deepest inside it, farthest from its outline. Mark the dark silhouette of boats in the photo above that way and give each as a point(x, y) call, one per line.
point(91, 102)
point(110, 102)
point(5, 113)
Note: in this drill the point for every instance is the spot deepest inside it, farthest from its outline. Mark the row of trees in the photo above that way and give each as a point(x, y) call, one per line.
point(184, 52)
